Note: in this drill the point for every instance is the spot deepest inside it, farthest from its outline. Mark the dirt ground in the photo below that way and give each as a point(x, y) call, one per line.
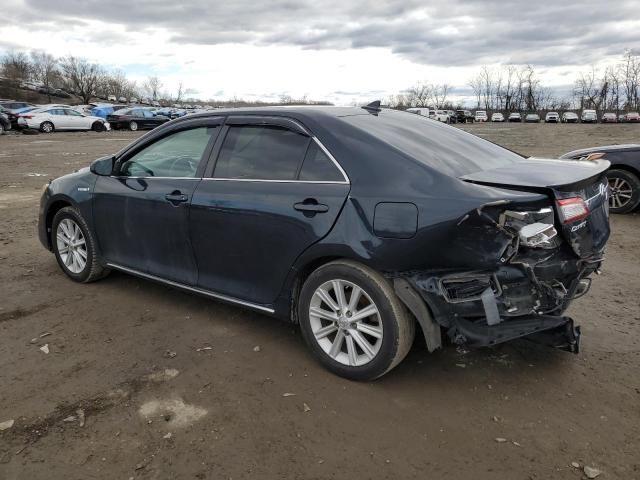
point(145, 382)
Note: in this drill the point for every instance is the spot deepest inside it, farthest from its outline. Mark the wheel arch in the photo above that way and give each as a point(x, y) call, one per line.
point(55, 205)
point(625, 167)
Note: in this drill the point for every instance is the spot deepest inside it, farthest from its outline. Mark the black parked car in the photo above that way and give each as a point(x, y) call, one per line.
point(623, 176)
point(135, 119)
point(351, 222)
point(464, 116)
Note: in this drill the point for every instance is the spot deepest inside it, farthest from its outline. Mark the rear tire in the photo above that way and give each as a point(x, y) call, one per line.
point(624, 191)
point(47, 127)
point(133, 126)
point(354, 343)
point(75, 247)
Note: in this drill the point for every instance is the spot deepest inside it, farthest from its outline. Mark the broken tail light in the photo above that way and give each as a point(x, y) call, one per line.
point(572, 209)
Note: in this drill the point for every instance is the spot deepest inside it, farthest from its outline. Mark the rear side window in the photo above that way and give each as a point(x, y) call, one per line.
point(318, 166)
point(261, 153)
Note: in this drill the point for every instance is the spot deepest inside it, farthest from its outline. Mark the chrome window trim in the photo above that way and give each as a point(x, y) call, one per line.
point(124, 177)
point(201, 291)
point(335, 162)
point(346, 180)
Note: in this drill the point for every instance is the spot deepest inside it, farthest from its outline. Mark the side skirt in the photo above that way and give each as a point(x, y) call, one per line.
point(200, 291)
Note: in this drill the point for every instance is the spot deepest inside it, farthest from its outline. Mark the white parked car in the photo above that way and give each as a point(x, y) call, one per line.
point(481, 116)
point(133, 100)
point(497, 117)
point(569, 117)
point(441, 116)
point(552, 117)
point(122, 99)
point(112, 98)
point(419, 111)
point(49, 119)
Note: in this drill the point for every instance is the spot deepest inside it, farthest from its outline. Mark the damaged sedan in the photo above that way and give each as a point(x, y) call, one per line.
point(362, 225)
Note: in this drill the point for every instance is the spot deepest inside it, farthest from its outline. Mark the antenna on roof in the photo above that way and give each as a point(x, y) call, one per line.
point(373, 107)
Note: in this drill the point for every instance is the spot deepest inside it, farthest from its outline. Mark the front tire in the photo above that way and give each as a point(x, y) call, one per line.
point(353, 322)
point(47, 127)
point(624, 191)
point(133, 126)
point(75, 247)
point(98, 127)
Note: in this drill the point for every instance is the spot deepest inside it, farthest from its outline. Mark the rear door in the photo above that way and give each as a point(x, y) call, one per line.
point(271, 193)
point(141, 213)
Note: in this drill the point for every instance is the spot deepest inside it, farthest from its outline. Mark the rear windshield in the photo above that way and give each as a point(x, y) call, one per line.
point(444, 148)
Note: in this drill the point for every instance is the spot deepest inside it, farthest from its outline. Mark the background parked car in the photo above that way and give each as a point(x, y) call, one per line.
point(49, 119)
point(13, 105)
point(569, 117)
point(5, 123)
point(532, 118)
point(135, 118)
point(609, 118)
point(497, 117)
point(112, 98)
point(632, 117)
point(464, 116)
point(441, 116)
point(452, 116)
point(552, 117)
point(623, 175)
point(481, 116)
point(622, 118)
point(11, 115)
point(515, 117)
point(589, 116)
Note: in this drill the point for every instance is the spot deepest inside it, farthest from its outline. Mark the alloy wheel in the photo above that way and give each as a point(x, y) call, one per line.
point(620, 192)
point(346, 323)
point(72, 246)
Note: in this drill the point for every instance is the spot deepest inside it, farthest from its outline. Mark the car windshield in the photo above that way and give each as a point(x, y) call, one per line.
point(444, 148)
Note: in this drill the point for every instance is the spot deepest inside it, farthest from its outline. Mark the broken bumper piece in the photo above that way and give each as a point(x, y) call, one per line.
point(554, 331)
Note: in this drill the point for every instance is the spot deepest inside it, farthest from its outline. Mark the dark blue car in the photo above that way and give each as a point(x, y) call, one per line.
point(623, 176)
point(361, 225)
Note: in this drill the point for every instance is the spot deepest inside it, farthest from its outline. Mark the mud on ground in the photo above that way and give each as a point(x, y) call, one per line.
point(145, 382)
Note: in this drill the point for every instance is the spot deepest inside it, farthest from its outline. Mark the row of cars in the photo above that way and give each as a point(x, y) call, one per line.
point(466, 116)
point(97, 117)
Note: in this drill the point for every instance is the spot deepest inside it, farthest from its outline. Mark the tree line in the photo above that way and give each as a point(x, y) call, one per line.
point(81, 77)
point(88, 80)
point(515, 88)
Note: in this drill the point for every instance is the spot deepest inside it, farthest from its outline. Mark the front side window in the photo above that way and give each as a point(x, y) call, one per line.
point(261, 153)
point(177, 155)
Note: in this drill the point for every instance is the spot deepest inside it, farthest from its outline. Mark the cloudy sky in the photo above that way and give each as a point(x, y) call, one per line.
point(339, 50)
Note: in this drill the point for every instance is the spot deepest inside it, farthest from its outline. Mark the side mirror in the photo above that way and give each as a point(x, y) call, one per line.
point(102, 166)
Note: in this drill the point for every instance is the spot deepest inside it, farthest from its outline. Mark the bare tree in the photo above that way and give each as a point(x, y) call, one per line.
point(630, 73)
point(152, 86)
point(439, 95)
point(476, 85)
point(45, 69)
point(15, 67)
point(83, 77)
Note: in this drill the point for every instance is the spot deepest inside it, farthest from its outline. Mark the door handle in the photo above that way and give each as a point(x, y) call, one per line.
point(310, 207)
point(176, 198)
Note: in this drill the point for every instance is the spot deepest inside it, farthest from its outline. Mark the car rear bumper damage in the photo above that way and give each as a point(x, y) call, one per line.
point(482, 309)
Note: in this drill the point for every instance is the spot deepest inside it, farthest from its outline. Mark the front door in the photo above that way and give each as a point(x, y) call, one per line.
point(141, 213)
point(273, 192)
